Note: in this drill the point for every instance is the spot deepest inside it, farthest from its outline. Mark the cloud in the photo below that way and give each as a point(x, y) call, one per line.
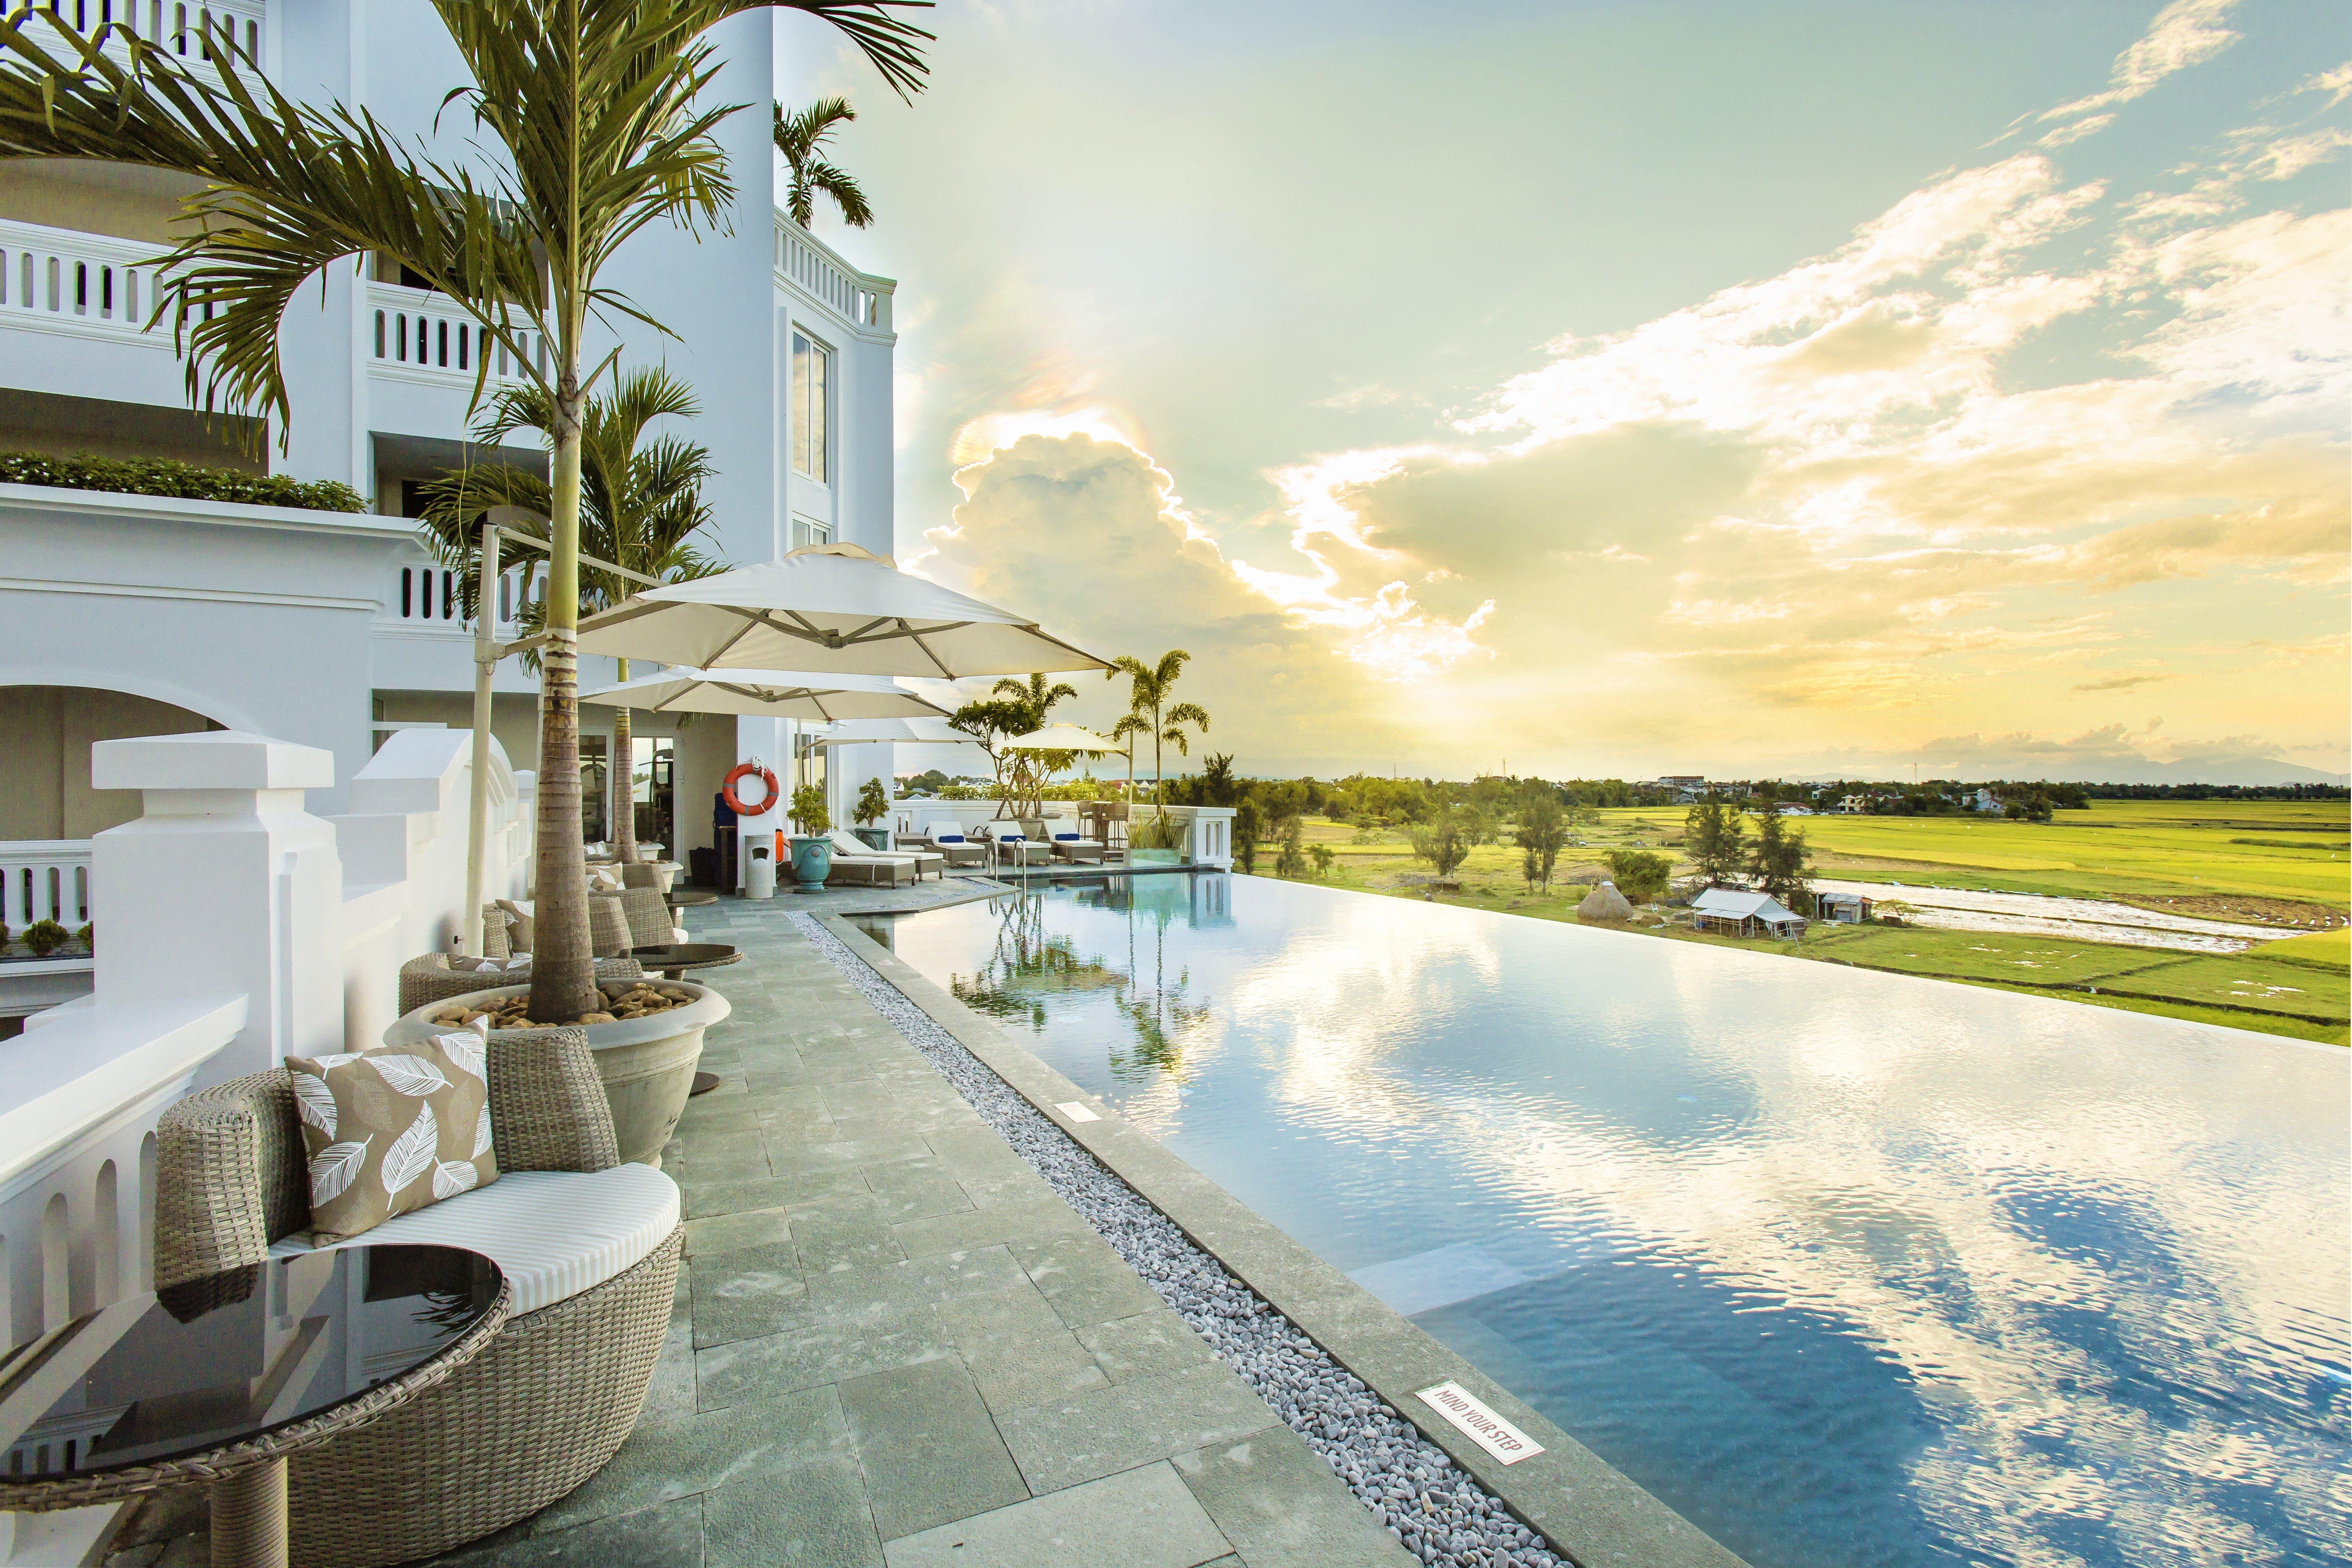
point(1089, 534)
point(2120, 682)
point(2186, 33)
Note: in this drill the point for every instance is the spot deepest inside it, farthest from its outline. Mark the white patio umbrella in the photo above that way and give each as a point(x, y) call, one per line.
point(1068, 738)
point(768, 694)
point(829, 608)
point(868, 732)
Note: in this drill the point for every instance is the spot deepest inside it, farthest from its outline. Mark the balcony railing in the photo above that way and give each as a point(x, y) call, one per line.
point(88, 284)
point(811, 266)
point(430, 597)
point(45, 879)
point(194, 31)
point(421, 333)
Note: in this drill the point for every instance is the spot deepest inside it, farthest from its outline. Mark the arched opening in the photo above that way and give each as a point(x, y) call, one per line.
point(45, 732)
point(142, 1240)
point(106, 1235)
point(57, 1265)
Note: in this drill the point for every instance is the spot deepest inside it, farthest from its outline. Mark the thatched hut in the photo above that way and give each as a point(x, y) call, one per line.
point(1604, 903)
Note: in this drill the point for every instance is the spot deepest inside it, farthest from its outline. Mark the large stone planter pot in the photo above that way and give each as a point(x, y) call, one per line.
point(812, 863)
point(875, 838)
point(648, 1064)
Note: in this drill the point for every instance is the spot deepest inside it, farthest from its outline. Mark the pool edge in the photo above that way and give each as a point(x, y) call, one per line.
point(1583, 1505)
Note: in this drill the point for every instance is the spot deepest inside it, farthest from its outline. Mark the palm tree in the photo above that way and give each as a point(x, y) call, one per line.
point(1150, 688)
point(1032, 700)
point(801, 137)
point(640, 506)
point(598, 123)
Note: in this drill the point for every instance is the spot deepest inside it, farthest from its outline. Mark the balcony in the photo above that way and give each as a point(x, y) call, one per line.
point(417, 335)
point(82, 285)
point(192, 31)
point(808, 265)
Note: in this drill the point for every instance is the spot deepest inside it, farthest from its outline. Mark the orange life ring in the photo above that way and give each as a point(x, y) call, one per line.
point(752, 770)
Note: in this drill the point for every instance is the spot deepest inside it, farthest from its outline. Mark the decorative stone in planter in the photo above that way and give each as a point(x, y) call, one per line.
point(812, 863)
point(647, 1064)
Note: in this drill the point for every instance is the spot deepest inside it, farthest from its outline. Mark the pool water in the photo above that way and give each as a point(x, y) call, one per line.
point(1848, 1268)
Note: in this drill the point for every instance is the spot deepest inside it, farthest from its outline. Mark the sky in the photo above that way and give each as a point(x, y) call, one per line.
point(1616, 390)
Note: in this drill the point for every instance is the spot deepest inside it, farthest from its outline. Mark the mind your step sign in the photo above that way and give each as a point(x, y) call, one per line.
point(1482, 1427)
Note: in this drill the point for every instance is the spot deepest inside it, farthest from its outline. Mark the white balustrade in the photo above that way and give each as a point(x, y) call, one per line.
point(431, 596)
point(93, 285)
point(45, 879)
point(192, 31)
point(420, 332)
point(810, 265)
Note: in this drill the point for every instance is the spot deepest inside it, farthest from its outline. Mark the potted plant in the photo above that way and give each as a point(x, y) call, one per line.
point(873, 805)
point(647, 1061)
point(812, 851)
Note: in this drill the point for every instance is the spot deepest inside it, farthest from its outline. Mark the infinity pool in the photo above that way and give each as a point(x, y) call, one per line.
point(1850, 1268)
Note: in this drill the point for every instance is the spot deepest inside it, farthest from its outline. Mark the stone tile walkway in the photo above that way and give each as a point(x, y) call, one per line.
point(896, 1347)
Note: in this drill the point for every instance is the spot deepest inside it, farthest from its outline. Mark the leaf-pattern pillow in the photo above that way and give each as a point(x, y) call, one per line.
point(393, 1129)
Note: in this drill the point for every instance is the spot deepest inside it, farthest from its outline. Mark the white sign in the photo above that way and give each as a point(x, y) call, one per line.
point(1076, 1112)
point(1486, 1428)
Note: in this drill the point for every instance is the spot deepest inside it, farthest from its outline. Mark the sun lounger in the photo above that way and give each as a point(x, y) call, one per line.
point(1077, 850)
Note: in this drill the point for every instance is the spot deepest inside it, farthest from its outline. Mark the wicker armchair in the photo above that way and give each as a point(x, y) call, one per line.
point(431, 978)
point(534, 1415)
point(495, 942)
point(648, 912)
point(608, 926)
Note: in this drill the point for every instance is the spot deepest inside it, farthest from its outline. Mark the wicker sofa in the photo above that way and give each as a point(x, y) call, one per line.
point(590, 1248)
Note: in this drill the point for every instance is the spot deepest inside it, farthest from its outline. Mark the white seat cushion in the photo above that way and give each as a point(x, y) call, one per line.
point(555, 1233)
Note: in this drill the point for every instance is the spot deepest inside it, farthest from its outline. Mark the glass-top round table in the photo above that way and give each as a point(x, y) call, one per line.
point(219, 1379)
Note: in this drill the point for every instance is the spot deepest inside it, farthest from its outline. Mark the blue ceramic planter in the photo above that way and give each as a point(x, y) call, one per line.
point(812, 863)
point(876, 838)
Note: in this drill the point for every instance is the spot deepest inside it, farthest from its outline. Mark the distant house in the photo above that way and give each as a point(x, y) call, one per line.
point(1733, 913)
point(1842, 909)
point(1984, 803)
point(1686, 786)
point(1854, 805)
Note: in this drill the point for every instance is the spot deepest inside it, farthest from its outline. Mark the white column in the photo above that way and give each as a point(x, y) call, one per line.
point(225, 885)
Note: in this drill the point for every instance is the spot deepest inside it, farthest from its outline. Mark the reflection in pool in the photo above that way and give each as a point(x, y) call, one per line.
point(1851, 1269)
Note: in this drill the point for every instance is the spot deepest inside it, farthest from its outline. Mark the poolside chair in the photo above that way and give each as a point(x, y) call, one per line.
point(1077, 850)
point(959, 850)
point(849, 849)
point(1016, 849)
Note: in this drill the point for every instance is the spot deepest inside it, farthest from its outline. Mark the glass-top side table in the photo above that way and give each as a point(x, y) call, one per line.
point(219, 1379)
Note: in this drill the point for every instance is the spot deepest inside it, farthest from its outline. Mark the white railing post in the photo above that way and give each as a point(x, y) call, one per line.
point(224, 886)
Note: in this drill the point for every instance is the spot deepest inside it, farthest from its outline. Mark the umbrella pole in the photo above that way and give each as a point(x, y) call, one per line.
point(478, 814)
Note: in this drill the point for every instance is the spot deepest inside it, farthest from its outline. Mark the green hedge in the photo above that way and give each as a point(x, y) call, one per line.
point(161, 477)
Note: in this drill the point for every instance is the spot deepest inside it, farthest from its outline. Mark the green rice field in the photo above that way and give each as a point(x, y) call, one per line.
point(2271, 863)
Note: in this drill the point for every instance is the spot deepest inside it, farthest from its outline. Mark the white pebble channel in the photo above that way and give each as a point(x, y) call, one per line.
point(1437, 1510)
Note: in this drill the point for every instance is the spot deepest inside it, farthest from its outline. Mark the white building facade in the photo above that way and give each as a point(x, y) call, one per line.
point(136, 614)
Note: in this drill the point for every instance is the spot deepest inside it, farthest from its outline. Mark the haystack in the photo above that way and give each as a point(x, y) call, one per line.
point(1604, 903)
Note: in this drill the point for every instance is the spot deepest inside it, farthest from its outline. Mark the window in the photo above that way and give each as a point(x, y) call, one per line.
point(808, 531)
point(811, 404)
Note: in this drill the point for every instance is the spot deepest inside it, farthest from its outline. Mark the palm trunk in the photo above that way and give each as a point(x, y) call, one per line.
point(562, 970)
point(623, 773)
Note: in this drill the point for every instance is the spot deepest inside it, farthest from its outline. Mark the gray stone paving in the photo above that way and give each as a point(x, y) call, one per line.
point(894, 1346)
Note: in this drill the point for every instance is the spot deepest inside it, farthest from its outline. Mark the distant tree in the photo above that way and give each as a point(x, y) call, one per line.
point(1291, 836)
point(801, 137)
point(1778, 861)
point(1248, 827)
point(1029, 706)
point(1445, 842)
point(1543, 834)
point(1217, 782)
point(1713, 838)
point(1639, 875)
point(1531, 867)
point(1323, 856)
point(991, 724)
